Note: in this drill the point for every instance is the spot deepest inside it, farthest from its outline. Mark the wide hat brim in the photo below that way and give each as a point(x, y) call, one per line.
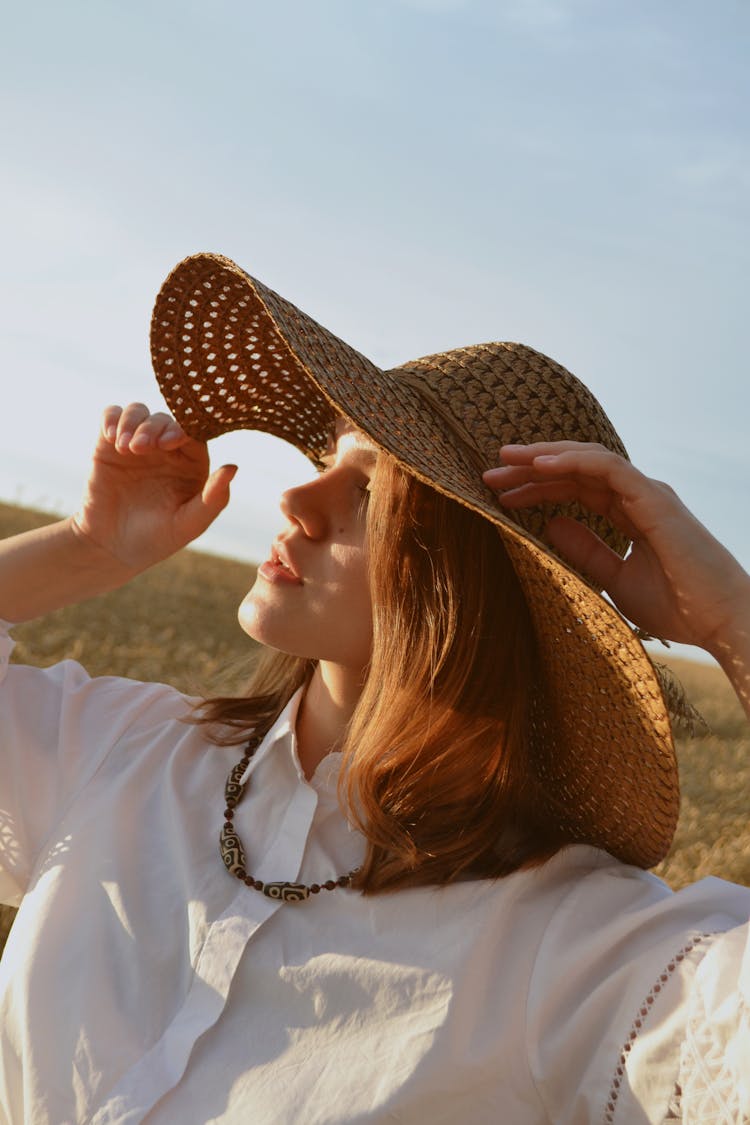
point(231, 354)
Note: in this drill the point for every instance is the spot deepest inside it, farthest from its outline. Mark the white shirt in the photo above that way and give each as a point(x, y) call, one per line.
point(142, 982)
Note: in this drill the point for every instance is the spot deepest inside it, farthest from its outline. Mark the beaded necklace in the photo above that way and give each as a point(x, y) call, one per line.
point(233, 853)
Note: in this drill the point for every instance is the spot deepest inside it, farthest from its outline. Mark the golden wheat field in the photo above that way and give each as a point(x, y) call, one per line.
point(178, 623)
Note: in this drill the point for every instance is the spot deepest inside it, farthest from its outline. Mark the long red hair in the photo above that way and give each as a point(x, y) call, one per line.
point(437, 765)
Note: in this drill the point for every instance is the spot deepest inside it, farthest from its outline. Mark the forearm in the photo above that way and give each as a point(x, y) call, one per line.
point(53, 566)
point(732, 650)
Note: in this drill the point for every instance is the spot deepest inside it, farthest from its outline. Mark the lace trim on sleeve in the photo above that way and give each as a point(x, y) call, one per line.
point(713, 1065)
point(674, 1109)
point(639, 1022)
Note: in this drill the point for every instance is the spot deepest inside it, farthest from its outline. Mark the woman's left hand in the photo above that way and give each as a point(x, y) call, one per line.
point(677, 583)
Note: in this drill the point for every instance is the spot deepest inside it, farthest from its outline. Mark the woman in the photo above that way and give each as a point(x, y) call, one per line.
point(439, 794)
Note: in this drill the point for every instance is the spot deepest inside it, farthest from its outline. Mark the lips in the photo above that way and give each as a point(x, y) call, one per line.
point(279, 568)
point(280, 555)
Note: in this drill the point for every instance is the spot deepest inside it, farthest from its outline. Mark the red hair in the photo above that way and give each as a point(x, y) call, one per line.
point(437, 770)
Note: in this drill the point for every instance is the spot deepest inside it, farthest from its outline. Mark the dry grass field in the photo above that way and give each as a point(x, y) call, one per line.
point(178, 623)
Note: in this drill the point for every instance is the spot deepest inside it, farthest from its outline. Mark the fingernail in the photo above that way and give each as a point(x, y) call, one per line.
point(546, 459)
point(123, 441)
point(110, 433)
point(140, 440)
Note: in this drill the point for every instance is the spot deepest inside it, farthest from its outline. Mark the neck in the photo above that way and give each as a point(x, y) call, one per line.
point(324, 714)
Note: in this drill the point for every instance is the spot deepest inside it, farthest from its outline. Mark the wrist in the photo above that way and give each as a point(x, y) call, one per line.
point(730, 645)
point(88, 557)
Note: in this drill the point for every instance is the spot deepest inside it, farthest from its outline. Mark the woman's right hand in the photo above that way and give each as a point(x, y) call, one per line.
point(150, 492)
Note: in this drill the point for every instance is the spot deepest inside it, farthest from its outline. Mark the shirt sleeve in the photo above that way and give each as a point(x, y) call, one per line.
point(57, 726)
point(714, 1078)
point(618, 974)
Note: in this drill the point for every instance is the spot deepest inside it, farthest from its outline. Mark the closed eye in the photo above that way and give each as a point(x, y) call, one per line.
point(322, 467)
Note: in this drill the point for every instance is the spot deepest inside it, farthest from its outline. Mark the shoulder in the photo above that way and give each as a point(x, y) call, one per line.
point(615, 914)
point(31, 693)
point(613, 974)
point(621, 898)
point(69, 686)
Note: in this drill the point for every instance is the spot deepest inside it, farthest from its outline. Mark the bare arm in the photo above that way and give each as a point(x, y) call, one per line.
point(149, 494)
point(52, 566)
point(678, 582)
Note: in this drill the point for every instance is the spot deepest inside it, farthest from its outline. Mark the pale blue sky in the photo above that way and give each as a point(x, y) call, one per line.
point(417, 174)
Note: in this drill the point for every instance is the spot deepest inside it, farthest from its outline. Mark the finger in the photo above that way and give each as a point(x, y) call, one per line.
point(539, 460)
point(160, 430)
point(173, 435)
point(589, 463)
point(644, 502)
point(525, 454)
point(507, 476)
point(585, 551)
point(110, 418)
point(128, 423)
point(536, 492)
point(599, 500)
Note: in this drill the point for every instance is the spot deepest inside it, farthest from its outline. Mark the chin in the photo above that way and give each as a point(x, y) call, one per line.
point(271, 626)
point(299, 633)
point(254, 620)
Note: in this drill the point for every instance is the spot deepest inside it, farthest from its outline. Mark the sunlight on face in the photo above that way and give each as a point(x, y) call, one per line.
point(311, 597)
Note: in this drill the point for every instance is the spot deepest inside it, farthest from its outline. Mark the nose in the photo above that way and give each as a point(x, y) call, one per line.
point(303, 505)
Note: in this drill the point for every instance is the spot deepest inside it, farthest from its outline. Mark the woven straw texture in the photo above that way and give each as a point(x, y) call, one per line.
point(231, 354)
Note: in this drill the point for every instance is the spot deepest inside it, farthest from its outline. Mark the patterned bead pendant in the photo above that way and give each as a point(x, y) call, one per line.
point(231, 850)
point(233, 790)
point(287, 892)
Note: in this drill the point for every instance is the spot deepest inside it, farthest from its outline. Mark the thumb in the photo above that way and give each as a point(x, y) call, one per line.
point(201, 511)
point(584, 550)
point(215, 495)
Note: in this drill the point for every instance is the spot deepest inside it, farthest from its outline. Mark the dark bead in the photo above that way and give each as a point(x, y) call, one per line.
point(228, 814)
point(315, 889)
point(248, 880)
point(259, 884)
point(329, 885)
point(343, 880)
point(239, 872)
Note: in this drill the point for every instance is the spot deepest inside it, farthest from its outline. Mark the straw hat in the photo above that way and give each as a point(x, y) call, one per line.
point(231, 354)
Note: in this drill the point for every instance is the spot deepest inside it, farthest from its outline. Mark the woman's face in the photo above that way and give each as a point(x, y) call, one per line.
point(311, 597)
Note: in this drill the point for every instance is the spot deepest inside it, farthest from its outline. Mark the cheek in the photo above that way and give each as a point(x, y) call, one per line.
point(353, 581)
point(349, 607)
point(351, 624)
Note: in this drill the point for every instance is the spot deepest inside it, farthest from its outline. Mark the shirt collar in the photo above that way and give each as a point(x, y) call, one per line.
point(281, 731)
point(325, 778)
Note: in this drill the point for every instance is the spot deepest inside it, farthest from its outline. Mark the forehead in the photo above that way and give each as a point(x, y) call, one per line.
point(345, 436)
